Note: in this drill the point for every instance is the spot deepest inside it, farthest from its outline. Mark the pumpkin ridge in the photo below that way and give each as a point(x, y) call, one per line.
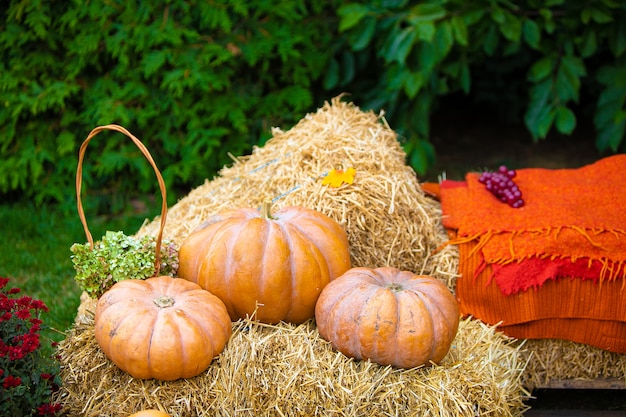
point(450, 330)
point(379, 295)
point(220, 229)
point(270, 225)
point(181, 339)
point(426, 304)
point(442, 319)
point(337, 233)
point(229, 272)
point(201, 325)
point(298, 239)
point(209, 320)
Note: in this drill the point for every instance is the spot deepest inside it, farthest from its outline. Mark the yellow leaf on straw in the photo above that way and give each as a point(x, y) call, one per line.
point(337, 177)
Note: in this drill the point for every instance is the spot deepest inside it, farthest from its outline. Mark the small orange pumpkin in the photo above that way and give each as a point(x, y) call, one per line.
point(272, 266)
point(389, 316)
point(164, 328)
point(149, 413)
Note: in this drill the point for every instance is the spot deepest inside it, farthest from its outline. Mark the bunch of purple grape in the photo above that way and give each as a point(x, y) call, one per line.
point(501, 184)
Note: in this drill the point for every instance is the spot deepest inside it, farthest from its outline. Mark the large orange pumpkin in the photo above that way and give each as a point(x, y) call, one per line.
point(270, 266)
point(389, 316)
point(163, 327)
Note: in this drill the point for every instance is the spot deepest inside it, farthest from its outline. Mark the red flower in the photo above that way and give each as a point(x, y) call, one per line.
point(24, 301)
point(39, 305)
point(11, 381)
point(23, 314)
point(48, 409)
point(20, 358)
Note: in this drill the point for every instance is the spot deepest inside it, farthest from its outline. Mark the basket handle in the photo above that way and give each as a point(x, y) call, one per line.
point(146, 153)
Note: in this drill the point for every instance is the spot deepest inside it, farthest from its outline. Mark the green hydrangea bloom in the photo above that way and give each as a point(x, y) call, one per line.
point(118, 257)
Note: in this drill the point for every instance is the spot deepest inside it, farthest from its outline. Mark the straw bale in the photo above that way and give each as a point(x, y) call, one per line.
point(388, 218)
point(389, 221)
point(289, 370)
point(555, 360)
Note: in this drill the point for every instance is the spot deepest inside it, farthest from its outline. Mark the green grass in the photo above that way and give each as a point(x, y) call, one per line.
point(35, 254)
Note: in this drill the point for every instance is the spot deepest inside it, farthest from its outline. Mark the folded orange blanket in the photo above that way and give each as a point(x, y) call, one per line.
point(573, 223)
point(565, 308)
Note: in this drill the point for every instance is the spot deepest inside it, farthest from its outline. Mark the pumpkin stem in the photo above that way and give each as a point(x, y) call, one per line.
point(395, 287)
point(266, 208)
point(164, 301)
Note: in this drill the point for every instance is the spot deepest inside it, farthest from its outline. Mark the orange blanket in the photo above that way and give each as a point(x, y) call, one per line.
point(553, 268)
point(573, 223)
point(565, 308)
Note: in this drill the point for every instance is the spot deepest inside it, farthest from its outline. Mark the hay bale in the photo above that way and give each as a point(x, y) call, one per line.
point(287, 369)
point(551, 361)
point(278, 370)
point(388, 218)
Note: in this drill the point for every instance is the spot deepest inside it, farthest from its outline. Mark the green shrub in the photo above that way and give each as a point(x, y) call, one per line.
point(198, 80)
point(536, 56)
point(193, 80)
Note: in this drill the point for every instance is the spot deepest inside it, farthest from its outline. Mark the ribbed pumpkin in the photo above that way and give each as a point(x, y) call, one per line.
point(389, 316)
point(272, 266)
point(164, 328)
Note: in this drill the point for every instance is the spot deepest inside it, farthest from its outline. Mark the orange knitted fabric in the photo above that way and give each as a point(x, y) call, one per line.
point(554, 268)
point(565, 308)
point(573, 220)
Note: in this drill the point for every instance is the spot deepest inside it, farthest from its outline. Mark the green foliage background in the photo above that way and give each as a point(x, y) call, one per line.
point(196, 80)
point(191, 79)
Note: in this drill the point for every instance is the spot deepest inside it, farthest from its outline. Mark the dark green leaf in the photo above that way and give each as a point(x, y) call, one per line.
point(532, 33)
point(473, 16)
point(422, 155)
point(427, 57)
point(350, 15)
point(498, 15)
point(589, 44)
point(426, 11)
point(153, 62)
point(413, 84)
point(400, 46)
point(425, 30)
point(600, 16)
point(491, 40)
point(460, 30)
point(610, 136)
point(541, 69)
point(612, 76)
point(544, 122)
point(565, 121)
point(570, 70)
point(443, 41)
point(540, 112)
point(511, 28)
point(585, 15)
point(359, 40)
point(617, 38)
